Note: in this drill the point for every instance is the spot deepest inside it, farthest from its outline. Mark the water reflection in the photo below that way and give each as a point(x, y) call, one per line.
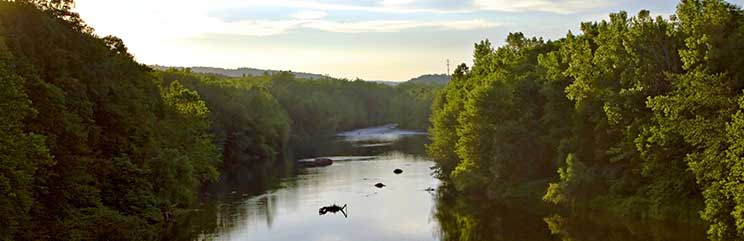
point(474, 220)
point(365, 142)
point(377, 136)
point(586, 227)
point(289, 210)
point(462, 219)
point(411, 206)
point(290, 213)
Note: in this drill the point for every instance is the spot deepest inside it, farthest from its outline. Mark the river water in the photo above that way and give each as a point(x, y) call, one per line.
point(411, 205)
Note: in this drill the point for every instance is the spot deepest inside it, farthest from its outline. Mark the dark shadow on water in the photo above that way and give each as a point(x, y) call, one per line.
point(461, 219)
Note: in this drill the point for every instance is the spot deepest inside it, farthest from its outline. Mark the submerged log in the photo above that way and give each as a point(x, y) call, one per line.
point(332, 209)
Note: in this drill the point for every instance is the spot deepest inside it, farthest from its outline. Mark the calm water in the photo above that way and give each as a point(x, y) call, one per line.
point(405, 209)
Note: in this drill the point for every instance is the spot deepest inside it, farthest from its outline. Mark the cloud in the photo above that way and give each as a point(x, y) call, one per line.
point(552, 6)
point(395, 26)
point(309, 14)
point(397, 3)
point(191, 18)
point(257, 28)
point(384, 6)
point(268, 28)
point(445, 6)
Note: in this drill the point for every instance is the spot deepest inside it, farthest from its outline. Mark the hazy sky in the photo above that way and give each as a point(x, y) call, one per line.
point(369, 39)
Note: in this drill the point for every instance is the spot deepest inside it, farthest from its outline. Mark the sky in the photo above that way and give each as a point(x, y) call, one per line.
point(392, 40)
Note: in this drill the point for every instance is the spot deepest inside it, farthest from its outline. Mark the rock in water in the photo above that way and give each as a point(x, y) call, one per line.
point(397, 171)
point(379, 185)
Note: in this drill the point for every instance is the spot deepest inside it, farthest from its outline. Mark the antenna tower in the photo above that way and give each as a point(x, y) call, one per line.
point(448, 67)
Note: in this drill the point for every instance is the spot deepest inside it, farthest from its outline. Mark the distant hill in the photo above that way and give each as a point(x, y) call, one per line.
point(439, 79)
point(240, 72)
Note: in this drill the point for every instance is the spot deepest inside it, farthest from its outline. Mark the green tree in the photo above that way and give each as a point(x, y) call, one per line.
point(702, 104)
point(446, 110)
point(21, 153)
point(91, 148)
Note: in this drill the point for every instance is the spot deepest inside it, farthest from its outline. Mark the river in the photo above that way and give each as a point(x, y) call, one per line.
point(411, 205)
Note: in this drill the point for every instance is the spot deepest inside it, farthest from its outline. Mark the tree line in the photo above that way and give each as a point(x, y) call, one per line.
point(636, 115)
point(92, 147)
point(95, 146)
point(321, 106)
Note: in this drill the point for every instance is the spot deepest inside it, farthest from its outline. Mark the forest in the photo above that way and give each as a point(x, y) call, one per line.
point(91, 138)
point(635, 115)
point(638, 116)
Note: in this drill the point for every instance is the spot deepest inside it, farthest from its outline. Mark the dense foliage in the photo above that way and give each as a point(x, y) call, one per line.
point(316, 106)
point(329, 105)
point(638, 115)
point(262, 121)
point(95, 146)
point(89, 138)
point(249, 125)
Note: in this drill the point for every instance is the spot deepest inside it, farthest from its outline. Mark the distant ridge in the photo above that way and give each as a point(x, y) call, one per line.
point(240, 72)
point(385, 82)
point(437, 79)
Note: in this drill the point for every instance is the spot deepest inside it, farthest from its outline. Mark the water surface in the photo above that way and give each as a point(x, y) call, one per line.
point(405, 209)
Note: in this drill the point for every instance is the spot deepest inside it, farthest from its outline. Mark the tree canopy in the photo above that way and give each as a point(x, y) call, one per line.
point(95, 146)
point(638, 115)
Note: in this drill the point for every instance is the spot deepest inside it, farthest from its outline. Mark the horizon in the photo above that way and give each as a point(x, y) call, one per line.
point(381, 40)
point(296, 72)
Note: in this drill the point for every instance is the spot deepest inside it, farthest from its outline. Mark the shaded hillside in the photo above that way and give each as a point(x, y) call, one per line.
point(439, 79)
